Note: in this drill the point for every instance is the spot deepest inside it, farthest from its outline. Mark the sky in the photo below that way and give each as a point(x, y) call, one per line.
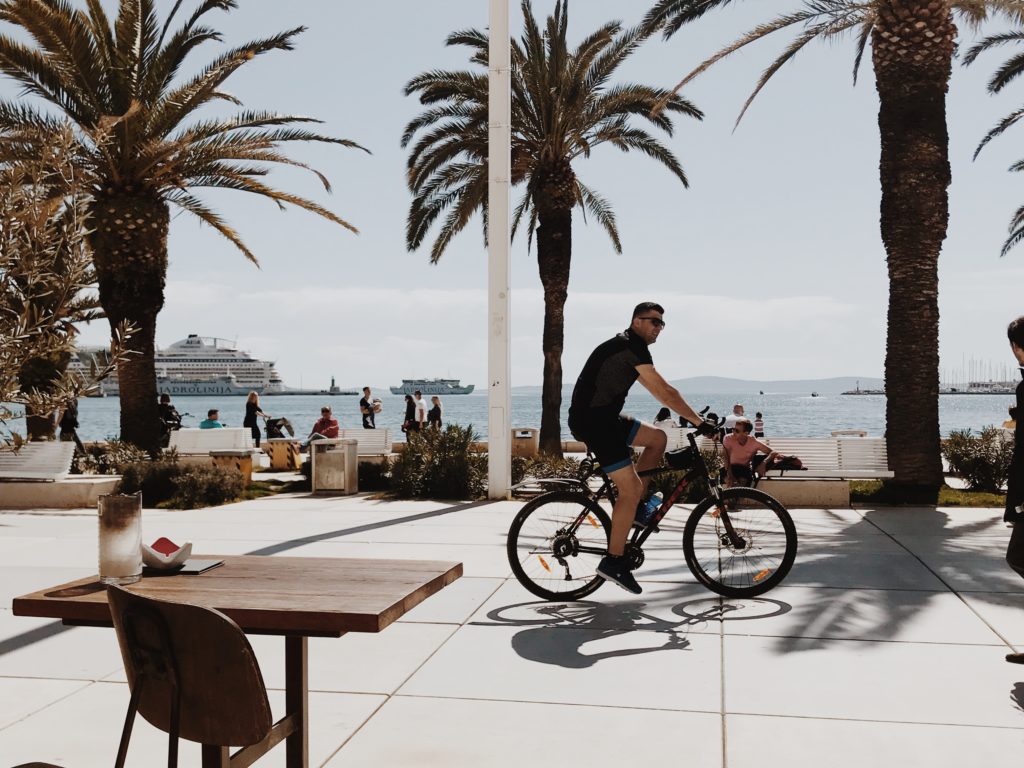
point(769, 266)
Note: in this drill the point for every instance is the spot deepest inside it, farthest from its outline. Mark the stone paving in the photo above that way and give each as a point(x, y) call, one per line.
point(884, 646)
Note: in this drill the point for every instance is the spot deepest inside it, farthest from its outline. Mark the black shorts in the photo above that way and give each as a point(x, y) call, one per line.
point(608, 439)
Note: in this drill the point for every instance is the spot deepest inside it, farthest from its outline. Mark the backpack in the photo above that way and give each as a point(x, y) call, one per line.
point(786, 462)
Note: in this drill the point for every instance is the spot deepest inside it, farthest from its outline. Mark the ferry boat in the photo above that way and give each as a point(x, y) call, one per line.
point(432, 387)
point(198, 365)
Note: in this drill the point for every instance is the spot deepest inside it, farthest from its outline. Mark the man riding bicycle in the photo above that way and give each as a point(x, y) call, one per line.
point(595, 417)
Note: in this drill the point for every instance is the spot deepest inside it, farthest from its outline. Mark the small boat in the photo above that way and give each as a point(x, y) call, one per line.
point(814, 394)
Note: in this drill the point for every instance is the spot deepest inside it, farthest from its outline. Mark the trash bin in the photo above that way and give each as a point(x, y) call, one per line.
point(525, 442)
point(335, 465)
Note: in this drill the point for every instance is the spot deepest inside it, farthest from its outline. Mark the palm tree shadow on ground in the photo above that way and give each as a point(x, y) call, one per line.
point(957, 557)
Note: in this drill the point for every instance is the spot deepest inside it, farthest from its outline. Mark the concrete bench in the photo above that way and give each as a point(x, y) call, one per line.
point(36, 476)
point(373, 444)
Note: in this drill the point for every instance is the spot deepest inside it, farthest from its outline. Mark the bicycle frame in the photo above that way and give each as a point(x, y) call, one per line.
point(640, 535)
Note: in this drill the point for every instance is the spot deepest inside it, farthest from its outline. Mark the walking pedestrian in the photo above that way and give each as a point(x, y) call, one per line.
point(69, 424)
point(252, 410)
point(1014, 511)
point(435, 413)
point(410, 424)
point(421, 410)
point(366, 409)
point(758, 425)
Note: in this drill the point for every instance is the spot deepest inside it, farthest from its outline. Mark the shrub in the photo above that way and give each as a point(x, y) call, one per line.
point(107, 458)
point(983, 461)
point(166, 483)
point(156, 478)
point(205, 487)
point(374, 476)
point(440, 464)
point(542, 467)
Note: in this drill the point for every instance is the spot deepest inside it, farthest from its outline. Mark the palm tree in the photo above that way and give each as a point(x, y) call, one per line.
point(118, 84)
point(912, 45)
point(1007, 73)
point(563, 107)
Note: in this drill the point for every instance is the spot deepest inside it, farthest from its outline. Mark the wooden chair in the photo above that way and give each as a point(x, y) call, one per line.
point(192, 673)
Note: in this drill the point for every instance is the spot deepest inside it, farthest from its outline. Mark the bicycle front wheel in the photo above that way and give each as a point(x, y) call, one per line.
point(754, 562)
point(555, 544)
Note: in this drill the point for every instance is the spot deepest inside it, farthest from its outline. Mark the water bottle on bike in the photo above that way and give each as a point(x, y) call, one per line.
point(646, 511)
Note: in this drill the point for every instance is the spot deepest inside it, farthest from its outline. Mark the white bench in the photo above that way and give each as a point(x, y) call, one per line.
point(845, 458)
point(227, 447)
point(373, 444)
point(829, 464)
point(47, 461)
point(191, 442)
point(36, 477)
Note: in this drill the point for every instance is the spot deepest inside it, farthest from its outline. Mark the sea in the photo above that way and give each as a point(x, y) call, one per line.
point(785, 414)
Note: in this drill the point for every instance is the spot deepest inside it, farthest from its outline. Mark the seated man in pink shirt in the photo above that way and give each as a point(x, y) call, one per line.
point(326, 426)
point(740, 449)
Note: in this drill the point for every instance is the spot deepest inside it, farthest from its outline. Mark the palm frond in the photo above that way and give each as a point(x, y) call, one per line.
point(198, 209)
point(601, 210)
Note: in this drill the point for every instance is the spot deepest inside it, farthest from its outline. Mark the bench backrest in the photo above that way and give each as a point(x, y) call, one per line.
point(860, 454)
point(372, 442)
point(676, 437)
point(866, 453)
point(192, 441)
point(815, 452)
point(50, 460)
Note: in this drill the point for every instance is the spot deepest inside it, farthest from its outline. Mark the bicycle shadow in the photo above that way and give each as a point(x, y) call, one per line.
point(558, 634)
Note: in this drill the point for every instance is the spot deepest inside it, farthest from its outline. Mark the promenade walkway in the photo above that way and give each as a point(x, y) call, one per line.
point(884, 647)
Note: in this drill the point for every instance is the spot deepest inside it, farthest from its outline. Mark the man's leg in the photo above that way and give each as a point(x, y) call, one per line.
point(1015, 559)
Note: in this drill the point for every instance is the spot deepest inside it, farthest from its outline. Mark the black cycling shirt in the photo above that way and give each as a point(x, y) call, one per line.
point(607, 377)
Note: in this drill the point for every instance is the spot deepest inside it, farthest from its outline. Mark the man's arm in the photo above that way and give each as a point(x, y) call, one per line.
point(666, 394)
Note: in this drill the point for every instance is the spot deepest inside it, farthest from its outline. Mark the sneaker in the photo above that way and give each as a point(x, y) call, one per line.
point(616, 570)
point(1013, 658)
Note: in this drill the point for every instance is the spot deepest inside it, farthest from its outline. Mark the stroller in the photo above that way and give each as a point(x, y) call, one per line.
point(276, 427)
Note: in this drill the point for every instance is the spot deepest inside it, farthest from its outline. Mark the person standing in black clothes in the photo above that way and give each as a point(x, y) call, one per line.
point(170, 419)
point(366, 409)
point(410, 424)
point(252, 410)
point(1015, 483)
point(69, 425)
point(434, 414)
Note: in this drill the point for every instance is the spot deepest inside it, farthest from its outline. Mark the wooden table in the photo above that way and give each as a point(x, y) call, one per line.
point(297, 597)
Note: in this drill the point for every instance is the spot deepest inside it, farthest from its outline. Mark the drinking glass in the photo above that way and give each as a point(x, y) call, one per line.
point(120, 538)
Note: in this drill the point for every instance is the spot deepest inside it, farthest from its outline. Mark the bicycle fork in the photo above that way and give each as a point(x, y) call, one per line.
point(721, 513)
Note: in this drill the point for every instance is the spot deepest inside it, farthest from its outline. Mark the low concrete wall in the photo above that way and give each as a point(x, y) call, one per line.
point(808, 493)
point(76, 492)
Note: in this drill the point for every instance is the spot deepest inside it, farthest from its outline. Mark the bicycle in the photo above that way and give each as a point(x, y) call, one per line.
point(737, 542)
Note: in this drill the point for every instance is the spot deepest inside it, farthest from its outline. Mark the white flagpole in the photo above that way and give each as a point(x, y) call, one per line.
point(499, 173)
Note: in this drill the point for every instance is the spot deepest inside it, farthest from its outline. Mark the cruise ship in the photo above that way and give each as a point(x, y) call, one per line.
point(199, 365)
point(432, 387)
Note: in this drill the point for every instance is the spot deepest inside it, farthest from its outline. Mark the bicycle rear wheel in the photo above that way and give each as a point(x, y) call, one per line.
point(766, 552)
point(555, 544)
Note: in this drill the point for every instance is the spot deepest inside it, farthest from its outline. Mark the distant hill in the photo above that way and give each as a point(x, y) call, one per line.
point(723, 385)
point(720, 384)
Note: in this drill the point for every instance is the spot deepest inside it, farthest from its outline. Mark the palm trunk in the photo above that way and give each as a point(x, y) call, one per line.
point(912, 50)
point(554, 257)
point(129, 242)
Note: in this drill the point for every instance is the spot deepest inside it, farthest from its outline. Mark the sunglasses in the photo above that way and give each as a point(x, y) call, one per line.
point(657, 322)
